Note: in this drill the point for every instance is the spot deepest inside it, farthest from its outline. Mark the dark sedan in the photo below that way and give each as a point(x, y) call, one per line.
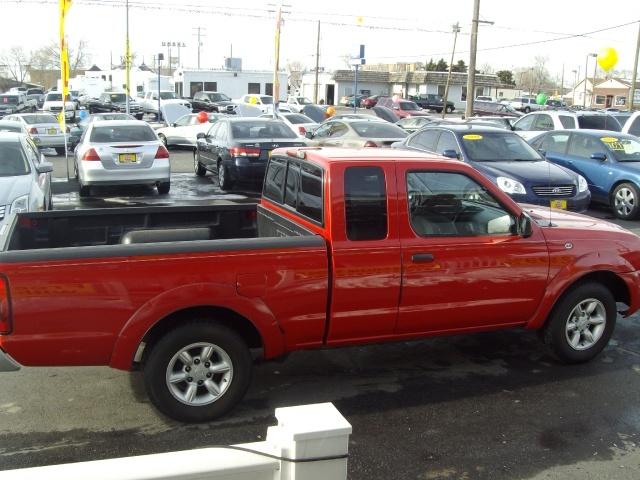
point(238, 149)
point(507, 160)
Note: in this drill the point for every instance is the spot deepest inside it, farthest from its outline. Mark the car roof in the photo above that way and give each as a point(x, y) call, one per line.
point(596, 133)
point(467, 127)
point(120, 123)
point(328, 155)
point(249, 119)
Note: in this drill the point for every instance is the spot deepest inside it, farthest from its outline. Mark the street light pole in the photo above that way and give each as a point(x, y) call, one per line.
point(160, 58)
point(127, 60)
point(456, 30)
point(315, 85)
point(635, 72)
point(471, 75)
point(586, 65)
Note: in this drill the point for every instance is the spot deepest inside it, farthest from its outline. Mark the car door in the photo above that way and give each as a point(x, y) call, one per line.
point(598, 174)
point(464, 267)
point(205, 146)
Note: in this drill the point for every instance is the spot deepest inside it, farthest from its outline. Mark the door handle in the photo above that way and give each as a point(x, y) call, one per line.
point(422, 257)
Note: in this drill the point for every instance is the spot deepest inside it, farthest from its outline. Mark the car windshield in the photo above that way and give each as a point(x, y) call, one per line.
point(34, 91)
point(219, 97)
point(497, 147)
point(122, 133)
point(599, 122)
point(54, 97)
point(110, 116)
point(378, 130)
point(33, 119)
point(297, 118)
point(8, 100)
point(164, 96)
point(623, 149)
point(304, 101)
point(408, 106)
point(12, 160)
point(266, 100)
point(117, 97)
point(261, 129)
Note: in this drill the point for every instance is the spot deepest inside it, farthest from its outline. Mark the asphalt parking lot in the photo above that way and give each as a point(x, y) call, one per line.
point(485, 406)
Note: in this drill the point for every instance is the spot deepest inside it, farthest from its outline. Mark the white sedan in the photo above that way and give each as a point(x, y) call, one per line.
point(185, 130)
point(299, 123)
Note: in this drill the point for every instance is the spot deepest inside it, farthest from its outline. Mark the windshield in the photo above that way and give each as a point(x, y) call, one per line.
point(261, 129)
point(599, 122)
point(378, 130)
point(304, 101)
point(219, 97)
point(106, 116)
point(297, 118)
point(54, 97)
point(34, 91)
point(623, 149)
point(122, 133)
point(498, 147)
point(266, 100)
point(8, 100)
point(166, 95)
point(33, 119)
point(12, 160)
point(408, 106)
point(118, 98)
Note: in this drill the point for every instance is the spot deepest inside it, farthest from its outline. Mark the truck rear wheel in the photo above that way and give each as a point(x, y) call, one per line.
point(197, 372)
point(581, 324)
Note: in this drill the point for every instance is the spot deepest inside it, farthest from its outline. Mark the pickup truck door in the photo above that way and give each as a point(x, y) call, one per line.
point(365, 253)
point(462, 267)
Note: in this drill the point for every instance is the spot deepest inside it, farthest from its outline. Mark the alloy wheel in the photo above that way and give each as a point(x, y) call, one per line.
point(586, 324)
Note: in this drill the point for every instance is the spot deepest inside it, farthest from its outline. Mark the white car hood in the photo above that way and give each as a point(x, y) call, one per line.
point(173, 111)
point(68, 105)
point(12, 188)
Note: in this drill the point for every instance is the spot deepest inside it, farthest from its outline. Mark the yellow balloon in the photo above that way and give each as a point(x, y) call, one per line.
point(253, 100)
point(607, 58)
point(330, 112)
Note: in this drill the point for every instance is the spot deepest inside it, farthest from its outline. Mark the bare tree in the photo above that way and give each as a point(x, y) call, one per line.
point(487, 68)
point(16, 63)
point(48, 57)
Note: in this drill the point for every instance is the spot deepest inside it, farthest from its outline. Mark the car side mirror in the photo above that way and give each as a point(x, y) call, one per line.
point(599, 156)
point(201, 135)
point(451, 154)
point(308, 135)
point(524, 226)
point(44, 167)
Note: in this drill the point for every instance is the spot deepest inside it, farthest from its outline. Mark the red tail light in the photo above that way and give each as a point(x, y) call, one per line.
point(369, 143)
point(162, 152)
point(5, 308)
point(33, 131)
point(91, 155)
point(302, 130)
point(244, 152)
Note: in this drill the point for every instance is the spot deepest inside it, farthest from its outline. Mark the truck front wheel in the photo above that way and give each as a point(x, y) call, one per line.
point(197, 372)
point(581, 324)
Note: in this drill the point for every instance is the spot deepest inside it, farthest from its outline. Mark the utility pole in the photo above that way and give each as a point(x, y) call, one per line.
point(199, 35)
point(315, 85)
point(562, 83)
point(575, 85)
point(127, 60)
point(635, 72)
point(456, 30)
point(471, 75)
point(586, 65)
point(276, 63)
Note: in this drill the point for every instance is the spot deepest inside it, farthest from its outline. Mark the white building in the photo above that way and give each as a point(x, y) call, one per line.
point(95, 81)
point(230, 82)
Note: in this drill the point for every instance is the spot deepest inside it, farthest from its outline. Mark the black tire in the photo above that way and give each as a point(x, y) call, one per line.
point(438, 110)
point(450, 109)
point(163, 139)
point(625, 201)
point(60, 151)
point(198, 168)
point(527, 109)
point(85, 191)
point(162, 357)
point(164, 187)
point(140, 116)
point(561, 319)
point(224, 182)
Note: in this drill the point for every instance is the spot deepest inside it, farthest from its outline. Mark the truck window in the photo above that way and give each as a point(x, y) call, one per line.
point(454, 205)
point(274, 180)
point(310, 196)
point(291, 188)
point(365, 203)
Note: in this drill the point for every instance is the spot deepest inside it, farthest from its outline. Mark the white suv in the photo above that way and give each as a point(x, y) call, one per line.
point(524, 104)
point(632, 125)
point(532, 124)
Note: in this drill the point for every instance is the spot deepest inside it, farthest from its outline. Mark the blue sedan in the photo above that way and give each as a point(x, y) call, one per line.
point(507, 160)
point(610, 161)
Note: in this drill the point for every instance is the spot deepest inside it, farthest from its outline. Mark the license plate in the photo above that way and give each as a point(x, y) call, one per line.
point(561, 204)
point(52, 131)
point(127, 158)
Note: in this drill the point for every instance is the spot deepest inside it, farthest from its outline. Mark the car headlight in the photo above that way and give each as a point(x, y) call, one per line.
point(583, 186)
point(20, 204)
point(509, 185)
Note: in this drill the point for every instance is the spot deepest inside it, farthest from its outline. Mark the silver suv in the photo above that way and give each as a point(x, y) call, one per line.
point(534, 123)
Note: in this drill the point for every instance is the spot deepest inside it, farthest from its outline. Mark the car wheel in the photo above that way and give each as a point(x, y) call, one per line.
point(164, 187)
point(450, 109)
point(85, 191)
point(197, 372)
point(163, 139)
point(60, 151)
point(224, 182)
point(581, 324)
point(197, 166)
point(438, 110)
point(527, 109)
point(624, 201)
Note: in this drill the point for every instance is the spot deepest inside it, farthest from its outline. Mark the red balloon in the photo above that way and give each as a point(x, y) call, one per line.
point(203, 117)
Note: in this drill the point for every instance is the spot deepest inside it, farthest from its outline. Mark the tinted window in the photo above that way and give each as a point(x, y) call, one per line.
point(452, 204)
point(122, 133)
point(291, 188)
point(634, 128)
point(555, 143)
point(408, 106)
point(33, 119)
point(543, 122)
point(297, 118)
point(54, 97)
point(567, 122)
point(424, 140)
point(267, 100)
point(490, 146)
point(261, 129)
point(599, 122)
point(378, 130)
point(447, 142)
point(584, 146)
point(274, 180)
point(163, 96)
point(12, 160)
point(365, 203)
point(120, 97)
point(310, 195)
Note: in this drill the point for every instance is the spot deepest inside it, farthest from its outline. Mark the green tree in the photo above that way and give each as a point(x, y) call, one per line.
point(506, 77)
point(442, 66)
point(430, 66)
point(459, 67)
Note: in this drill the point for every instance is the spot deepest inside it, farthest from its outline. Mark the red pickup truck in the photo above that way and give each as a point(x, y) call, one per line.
point(346, 247)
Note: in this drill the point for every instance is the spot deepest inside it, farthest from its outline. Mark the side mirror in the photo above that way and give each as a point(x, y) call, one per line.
point(599, 156)
point(451, 154)
point(201, 136)
point(308, 135)
point(44, 167)
point(524, 226)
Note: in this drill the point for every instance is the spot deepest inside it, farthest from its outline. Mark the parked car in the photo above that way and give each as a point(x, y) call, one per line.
point(14, 103)
point(555, 105)
point(430, 101)
point(610, 161)
point(402, 108)
point(115, 102)
point(25, 176)
point(44, 129)
point(356, 133)
point(632, 125)
point(494, 109)
point(353, 116)
point(370, 102)
point(121, 152)
point(300, 124)
point(532, 124)
point(484, 98)
point(413, 124)
point(385, 113)
point(348, 100)
point(149, 101)
point(237, 149)
point(498, 121)
point(263, 102)
point(53, 104)
point(296, 103)
point(508, 161)
point(76, 131)
point(524, 104)
point(36, 95)
point(354, 247)
point(207, 101)
point(184, 131)
point(13, 126)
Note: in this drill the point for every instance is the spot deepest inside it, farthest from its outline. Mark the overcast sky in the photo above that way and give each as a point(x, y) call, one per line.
point(412, 31)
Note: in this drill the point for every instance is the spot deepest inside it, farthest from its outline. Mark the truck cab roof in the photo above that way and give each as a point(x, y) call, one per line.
point(329, 155)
